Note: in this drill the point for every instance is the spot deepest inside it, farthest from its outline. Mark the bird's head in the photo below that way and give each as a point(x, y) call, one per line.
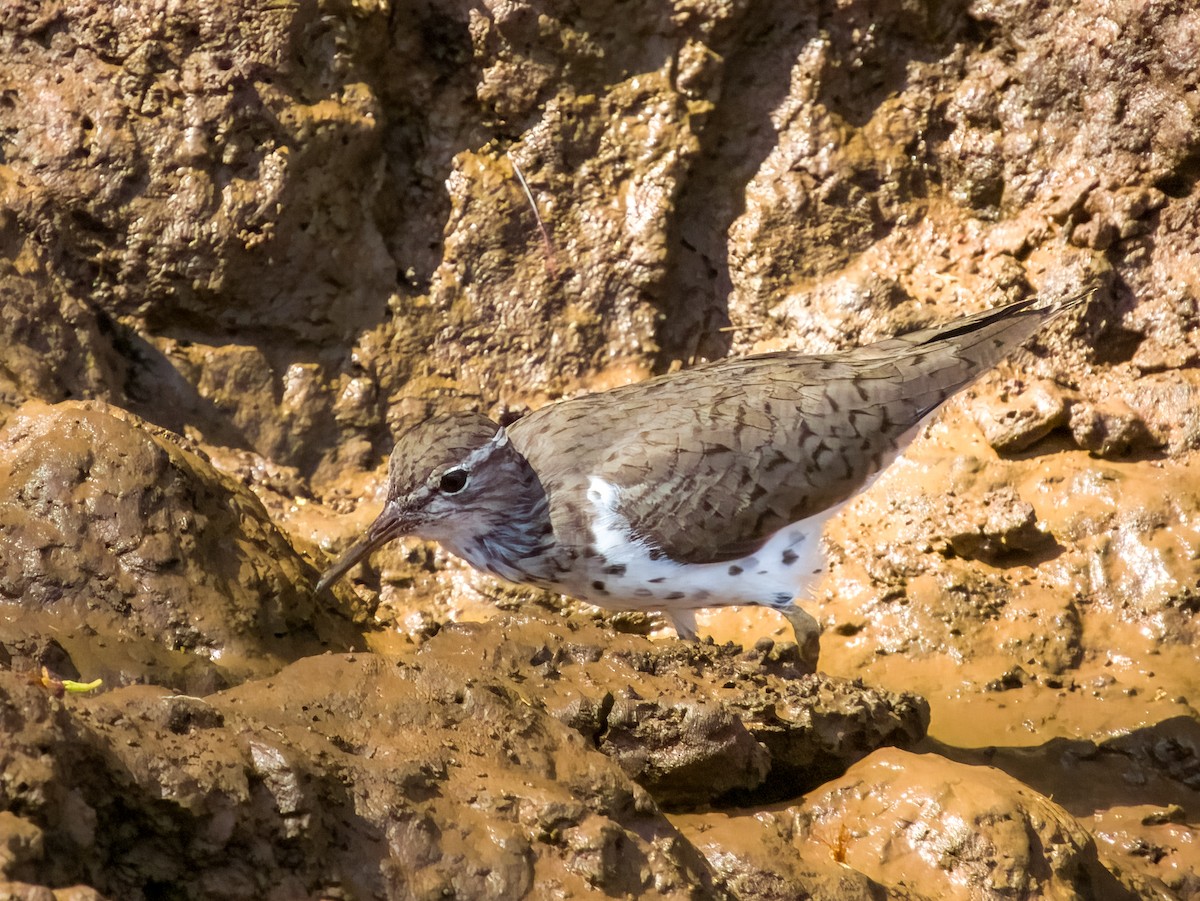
point(452, 479)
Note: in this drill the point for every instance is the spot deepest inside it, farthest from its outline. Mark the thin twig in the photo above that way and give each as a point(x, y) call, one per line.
point(551, 264)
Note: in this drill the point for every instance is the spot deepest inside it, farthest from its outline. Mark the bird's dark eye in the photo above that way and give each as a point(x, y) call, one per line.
point(453, 481)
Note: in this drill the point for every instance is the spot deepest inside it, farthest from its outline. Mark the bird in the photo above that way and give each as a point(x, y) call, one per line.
point(701, 488)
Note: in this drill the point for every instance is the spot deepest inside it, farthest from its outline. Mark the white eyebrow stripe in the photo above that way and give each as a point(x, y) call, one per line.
point(480, 454)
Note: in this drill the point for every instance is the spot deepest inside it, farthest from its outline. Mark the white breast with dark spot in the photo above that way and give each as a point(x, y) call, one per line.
point(629, 574)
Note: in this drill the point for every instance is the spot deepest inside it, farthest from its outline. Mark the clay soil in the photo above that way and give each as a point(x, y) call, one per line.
point(244, 246)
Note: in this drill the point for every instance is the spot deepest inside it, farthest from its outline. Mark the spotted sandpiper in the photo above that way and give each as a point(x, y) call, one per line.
point(702, 488)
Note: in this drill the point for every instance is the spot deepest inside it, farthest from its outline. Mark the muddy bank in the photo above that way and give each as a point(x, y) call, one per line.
point(241, 250)
point(494, 761)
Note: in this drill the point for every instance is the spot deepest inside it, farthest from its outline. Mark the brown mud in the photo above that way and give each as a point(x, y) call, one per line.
point(243, 246)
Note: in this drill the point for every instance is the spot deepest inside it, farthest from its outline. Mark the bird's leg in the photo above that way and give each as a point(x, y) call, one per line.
point(803, 623)
point(684, 622)
point(807, 629)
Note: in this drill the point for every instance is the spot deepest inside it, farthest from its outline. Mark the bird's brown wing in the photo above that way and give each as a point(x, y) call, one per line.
point(710, 462)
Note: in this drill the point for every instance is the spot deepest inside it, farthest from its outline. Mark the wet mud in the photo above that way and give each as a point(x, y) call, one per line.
point(241, 250)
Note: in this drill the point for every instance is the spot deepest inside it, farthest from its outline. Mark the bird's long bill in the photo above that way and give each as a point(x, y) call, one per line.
point(387, 526)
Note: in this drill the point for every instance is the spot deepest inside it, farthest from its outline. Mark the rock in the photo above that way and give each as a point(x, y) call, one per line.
point(692, 723)
point(1172, 750)
point(920, 824)
point(1169, 405)
point(342, 776)
point(1002, 524)
point(683, 751)
point(140, 560)
point(372, 776)
point(1109, 429)
point(1014, 420)
point(22, 844)
point(53, 344)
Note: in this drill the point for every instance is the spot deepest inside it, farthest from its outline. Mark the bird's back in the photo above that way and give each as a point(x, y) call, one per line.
point(710, 462)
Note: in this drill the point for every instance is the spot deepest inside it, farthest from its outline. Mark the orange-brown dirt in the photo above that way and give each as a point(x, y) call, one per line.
point(243, 246)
